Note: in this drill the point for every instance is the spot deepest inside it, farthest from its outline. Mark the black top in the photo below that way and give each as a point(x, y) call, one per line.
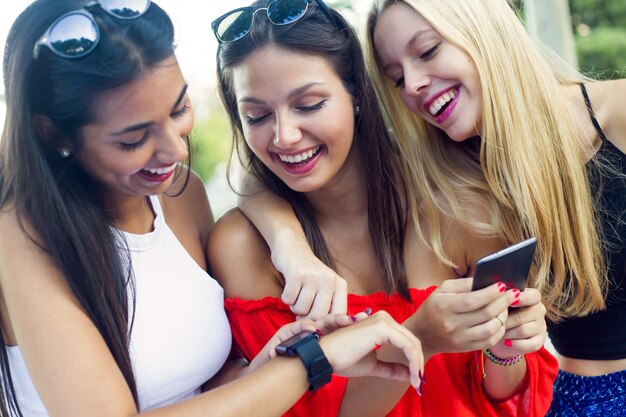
point(602, 335)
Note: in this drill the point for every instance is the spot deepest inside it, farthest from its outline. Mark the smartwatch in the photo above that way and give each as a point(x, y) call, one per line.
point(306, 346)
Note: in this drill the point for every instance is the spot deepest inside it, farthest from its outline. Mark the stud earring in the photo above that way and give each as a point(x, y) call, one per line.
point(357, 110)
point(64, 151)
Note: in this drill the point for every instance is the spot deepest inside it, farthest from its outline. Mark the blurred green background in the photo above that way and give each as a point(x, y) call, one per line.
point(599, 28)
point(600, 33)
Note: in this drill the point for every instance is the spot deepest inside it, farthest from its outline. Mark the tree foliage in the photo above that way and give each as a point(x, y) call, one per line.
point(599, 13)
point(600, 28)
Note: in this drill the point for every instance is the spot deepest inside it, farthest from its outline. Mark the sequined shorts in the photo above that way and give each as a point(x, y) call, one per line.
point(589, 396)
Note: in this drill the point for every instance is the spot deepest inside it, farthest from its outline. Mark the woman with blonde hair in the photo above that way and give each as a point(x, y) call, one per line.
point(481, 113)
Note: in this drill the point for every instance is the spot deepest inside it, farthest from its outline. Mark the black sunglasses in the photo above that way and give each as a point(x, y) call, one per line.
point(76, 34)
point(236, 24)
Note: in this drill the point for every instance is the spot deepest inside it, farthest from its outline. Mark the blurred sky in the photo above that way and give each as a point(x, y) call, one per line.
point(192, 19)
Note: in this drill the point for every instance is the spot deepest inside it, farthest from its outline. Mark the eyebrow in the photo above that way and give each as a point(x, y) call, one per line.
point(140, 126)
point(410, 43)
point(291, 95)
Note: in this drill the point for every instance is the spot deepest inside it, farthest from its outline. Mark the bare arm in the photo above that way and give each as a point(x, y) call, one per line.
point(75, 374)
point(311, 288)
point(455, 319)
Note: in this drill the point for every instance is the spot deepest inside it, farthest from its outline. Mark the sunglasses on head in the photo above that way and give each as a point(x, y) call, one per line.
point(236, 24)
point(76, 34)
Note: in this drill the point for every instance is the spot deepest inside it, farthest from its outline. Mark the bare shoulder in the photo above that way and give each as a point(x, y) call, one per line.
point(239, 259)
point(38, 309)
point(608, 100)
point(27, 273)
point(189, 209)
point(16, 238)
point(466, 242)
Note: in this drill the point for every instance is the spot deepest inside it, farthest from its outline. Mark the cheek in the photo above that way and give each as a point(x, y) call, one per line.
point(256, 140)
point(410, 103)
point(186, 124)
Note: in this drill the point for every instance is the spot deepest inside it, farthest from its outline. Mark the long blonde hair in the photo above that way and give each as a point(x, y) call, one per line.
point(528, 171)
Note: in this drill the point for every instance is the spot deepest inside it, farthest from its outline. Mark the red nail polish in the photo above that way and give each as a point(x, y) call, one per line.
point(508, 343)
point(514, 303)
point(501, 286)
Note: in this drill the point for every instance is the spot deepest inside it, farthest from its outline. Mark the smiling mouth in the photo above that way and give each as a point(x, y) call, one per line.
point(301, 158)
point(157, 175)
point(441, 104)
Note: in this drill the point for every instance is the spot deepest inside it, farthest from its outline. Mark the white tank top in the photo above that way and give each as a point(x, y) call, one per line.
point(180, 336)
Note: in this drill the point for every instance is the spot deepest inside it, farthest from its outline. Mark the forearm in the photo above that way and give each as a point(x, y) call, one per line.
point(233, 369)
point(415, 324)
point(501, 382)
point(371, 397)
point(273, 217)
point(248, 396)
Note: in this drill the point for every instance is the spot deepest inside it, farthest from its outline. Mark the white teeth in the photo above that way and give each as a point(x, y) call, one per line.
point(294, 159)
point(442, 101)
point(161, 171)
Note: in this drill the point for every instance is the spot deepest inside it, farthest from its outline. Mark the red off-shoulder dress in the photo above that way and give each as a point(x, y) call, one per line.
point(453, 379)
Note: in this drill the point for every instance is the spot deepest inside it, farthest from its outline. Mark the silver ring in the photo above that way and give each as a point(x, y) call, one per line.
point(500, 320)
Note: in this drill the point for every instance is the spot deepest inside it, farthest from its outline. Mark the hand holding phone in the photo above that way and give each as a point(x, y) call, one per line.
point(509, 265)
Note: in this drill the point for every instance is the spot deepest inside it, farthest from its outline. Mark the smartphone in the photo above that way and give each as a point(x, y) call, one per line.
point(509, 265)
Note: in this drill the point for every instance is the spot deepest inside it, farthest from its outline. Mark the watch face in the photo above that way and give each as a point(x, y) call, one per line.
point(286, 347)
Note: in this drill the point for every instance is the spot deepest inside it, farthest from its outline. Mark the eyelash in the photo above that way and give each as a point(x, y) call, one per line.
point(254, 120)
point(135, 145)
point(179, 113)
point(132, 146)
point(430, 53)
point(314, 107)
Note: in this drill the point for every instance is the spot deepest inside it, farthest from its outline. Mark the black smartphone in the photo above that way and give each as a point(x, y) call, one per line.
point(509, 265)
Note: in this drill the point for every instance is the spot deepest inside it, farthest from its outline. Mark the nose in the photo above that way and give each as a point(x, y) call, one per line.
point(172, 146)
point(415, 81)
point(286, 132)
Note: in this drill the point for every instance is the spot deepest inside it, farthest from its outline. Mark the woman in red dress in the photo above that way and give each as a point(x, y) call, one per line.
point(304, 113)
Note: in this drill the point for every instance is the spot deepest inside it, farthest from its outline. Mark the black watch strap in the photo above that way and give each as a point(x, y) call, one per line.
point(307, 347)
point(319, 371)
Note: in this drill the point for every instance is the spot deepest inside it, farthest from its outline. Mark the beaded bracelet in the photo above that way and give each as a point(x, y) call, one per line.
point(502, 362)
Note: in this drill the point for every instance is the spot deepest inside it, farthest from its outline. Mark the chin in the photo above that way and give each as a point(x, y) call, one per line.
point(461, 136)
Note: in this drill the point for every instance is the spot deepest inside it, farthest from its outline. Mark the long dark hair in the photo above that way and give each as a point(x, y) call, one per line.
point(335, 41)
point(54, 195)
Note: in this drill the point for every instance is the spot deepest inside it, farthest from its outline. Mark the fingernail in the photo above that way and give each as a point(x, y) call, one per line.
point(319, 332)
point(368, 311)
point(516, 292)
point(422, 377)
point(353, 318)
point(501, 286)
point(508, 343)
point(419, 390)
point(514, 303)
